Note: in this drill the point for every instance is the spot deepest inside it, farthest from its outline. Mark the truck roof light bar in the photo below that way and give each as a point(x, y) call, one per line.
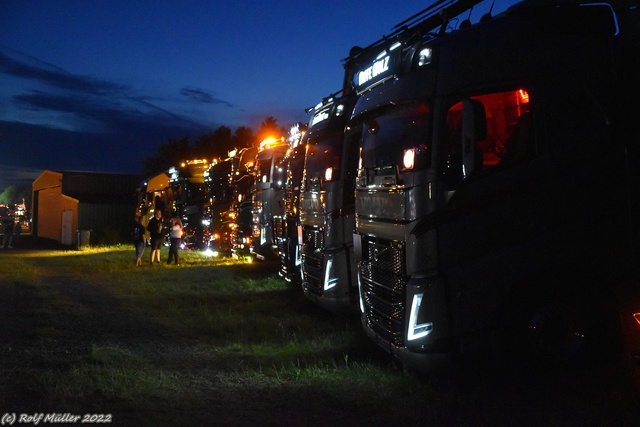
point(424, 22)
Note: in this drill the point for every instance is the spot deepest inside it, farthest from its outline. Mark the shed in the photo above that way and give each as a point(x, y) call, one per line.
point(68, 207)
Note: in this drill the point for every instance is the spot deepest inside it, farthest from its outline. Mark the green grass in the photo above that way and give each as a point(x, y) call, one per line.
point(111, 335)
point(215, 341)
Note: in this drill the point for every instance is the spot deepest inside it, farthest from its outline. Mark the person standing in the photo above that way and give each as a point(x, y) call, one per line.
point(155, 227)
point(177, 230)
point(138, 238)
point(17, 231)
point(8, 232)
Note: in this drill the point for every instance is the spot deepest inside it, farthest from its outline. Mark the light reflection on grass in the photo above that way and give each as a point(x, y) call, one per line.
point(208, 330)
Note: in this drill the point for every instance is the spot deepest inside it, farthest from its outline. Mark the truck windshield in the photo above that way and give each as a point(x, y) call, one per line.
point(388, 134)
point(263, 167)
point(323, 158)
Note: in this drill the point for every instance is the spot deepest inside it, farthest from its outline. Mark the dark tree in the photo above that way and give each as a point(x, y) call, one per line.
point(13, 194)
point(213, 144)
point(243, 138)
point(269, 129)
point(170, 154)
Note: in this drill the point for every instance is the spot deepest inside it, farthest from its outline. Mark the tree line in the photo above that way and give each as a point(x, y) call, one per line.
point(13, 194)
point(211, 145)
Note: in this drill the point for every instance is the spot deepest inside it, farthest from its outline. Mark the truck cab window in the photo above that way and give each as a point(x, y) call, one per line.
point(264, 170)
point(323, 159)
point(507, 141)
point(391, 132)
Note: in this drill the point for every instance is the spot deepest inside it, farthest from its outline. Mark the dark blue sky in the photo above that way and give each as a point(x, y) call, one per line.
point(98, 85)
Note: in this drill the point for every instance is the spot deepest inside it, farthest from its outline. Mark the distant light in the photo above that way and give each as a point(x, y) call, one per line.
point(637, 317)
point(211, 253)
point(270, 142)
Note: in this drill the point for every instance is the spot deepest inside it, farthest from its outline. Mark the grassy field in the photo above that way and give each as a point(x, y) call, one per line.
point(218, 342)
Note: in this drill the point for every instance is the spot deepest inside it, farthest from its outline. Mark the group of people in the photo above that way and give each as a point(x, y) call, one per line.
point(156, 232)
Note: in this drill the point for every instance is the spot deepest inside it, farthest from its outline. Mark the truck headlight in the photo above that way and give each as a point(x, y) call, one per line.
point(328, 281)
point(417, 330)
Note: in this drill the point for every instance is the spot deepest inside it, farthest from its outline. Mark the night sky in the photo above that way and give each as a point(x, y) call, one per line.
point(98, 85)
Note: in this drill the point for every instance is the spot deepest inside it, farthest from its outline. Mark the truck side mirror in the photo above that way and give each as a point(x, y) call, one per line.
point(474, 129)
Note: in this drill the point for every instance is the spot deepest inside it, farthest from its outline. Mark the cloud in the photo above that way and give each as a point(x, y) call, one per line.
point(56, 77)
point(117, 114)
point(78, 89)
point(202, 96)
point(74, 122)
point(90, 105)
point(18, 175)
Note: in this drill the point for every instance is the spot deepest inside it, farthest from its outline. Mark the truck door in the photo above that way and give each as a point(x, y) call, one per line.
point(492, 188)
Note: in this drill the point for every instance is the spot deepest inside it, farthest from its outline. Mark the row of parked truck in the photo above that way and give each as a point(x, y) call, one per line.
point(471, 187)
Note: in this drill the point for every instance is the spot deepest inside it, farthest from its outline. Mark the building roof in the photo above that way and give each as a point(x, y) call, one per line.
point(97, 187)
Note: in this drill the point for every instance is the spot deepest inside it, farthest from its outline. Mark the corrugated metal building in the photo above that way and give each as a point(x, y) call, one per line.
point(71, 206)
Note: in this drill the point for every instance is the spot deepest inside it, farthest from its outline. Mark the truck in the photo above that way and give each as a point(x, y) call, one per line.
point(497, 197)
point(242, 178)
point(220, 193)
point(288, 229)
point(266, 197)
point(190, 201)
point(327, 205)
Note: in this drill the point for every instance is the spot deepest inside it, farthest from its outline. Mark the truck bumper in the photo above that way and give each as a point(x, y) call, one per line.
point(423, 362)
point(336, 282)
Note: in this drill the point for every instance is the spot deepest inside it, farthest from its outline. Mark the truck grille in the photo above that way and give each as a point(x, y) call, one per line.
point(279, 228)
point(313, 259)
point(314, 238)
point(313, 273)
point(383, 280)
point(279, 232)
